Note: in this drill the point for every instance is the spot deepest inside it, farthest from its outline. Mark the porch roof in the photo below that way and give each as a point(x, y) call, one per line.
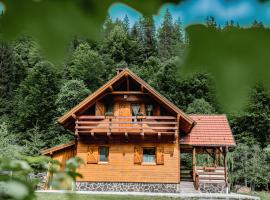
point(57, 148)
point(209, 130)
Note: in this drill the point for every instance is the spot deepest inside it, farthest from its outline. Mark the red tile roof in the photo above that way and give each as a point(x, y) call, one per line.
point(209, 130)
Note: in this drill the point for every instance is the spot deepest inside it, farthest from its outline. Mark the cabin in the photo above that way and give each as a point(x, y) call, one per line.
point(132, 138)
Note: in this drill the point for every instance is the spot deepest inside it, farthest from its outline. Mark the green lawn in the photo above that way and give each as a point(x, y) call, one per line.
point(262, 195)
point(57, 196)
point(50, 196)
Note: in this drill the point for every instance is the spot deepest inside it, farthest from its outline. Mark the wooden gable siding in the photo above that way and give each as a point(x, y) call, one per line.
point(123, 168)
point(68, 119)
point(63, 155)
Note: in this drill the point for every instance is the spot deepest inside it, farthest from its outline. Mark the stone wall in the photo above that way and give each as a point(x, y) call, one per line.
point(127, 187)
point(41, 179)
point(212, 187)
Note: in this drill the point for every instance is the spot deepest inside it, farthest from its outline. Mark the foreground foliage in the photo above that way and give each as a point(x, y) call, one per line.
point(16, 184)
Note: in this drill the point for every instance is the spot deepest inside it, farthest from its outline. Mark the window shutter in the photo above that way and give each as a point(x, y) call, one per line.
point(92, 155)
point(138, 151)
point(160, 155)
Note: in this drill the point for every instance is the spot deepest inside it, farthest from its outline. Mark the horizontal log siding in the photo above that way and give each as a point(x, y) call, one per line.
point(121, 167)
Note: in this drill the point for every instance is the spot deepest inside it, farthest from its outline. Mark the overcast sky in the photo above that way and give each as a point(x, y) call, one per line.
point(195, 11)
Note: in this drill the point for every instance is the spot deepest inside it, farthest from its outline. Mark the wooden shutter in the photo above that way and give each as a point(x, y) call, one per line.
point(160, 155)
point(100, 109)
point(138, 154)
point(92, 155)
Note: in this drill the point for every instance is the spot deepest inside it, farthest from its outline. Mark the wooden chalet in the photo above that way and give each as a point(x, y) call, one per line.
point(131, 139)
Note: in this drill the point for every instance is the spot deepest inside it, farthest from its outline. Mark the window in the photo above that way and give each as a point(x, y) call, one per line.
point(135, 109)
point(149, 155)
point(103, 154)
point(149, 110)
point(109, 109)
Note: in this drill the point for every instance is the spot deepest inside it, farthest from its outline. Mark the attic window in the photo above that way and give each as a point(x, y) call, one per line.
point(135, 109)
point(109, 109)
point(149, 110)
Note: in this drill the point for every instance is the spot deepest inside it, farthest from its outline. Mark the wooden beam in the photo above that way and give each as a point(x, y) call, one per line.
point(127, 92)
point(225, 165)
point(74, 116)
point(142, 88)
point(127, 81)
point(194, 163)
point(111, 88)
point(209, 153)
point(216, 157)
point(175, 136)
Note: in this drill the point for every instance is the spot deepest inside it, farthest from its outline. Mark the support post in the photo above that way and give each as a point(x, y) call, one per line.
point(216, 157)
point(226, 167)
point(193, 163)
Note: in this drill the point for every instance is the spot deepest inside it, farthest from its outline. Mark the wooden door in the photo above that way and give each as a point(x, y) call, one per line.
point(125, 111)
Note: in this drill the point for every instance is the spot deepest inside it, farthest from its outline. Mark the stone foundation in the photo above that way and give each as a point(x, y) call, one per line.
point(41, 179)
point(212, 187)
point(128, 187)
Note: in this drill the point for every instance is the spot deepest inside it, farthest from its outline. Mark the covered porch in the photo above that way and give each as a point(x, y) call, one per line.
point(206, 148)
point(208, 168)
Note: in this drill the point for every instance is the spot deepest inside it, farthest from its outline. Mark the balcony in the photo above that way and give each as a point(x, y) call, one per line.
point(117, 125)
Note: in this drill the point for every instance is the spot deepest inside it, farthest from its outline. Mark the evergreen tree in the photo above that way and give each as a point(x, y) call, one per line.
point(26, 54)
point(257, 24)
point(35, 142)
point(256, 117)
point(8, 144)
point(87, 65)
point(121, 47)
point(211, 22)
point(200, 106)
point(149, 38)
point(71, 93)
point(126, 23)
point(7, 78)
point(108, 26)
point(169, 37)
point(179, 38)
point(35, 98)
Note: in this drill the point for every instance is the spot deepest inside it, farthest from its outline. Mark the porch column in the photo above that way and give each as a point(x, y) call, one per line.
point(225, 166)
point(193, 163)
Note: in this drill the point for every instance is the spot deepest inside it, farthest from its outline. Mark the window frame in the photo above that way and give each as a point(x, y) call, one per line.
point(99, 154)
point(155, 155)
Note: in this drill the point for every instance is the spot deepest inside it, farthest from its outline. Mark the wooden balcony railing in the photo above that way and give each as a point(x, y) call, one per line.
point(117, 124)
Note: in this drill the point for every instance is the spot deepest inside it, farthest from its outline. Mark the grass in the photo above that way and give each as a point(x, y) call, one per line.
point(51, 196)
point(59, 196)
point(262, 195)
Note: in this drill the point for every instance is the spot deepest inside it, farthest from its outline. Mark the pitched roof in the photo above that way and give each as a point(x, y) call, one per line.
point(187, 121)
point(57, 148)
point(209, 130)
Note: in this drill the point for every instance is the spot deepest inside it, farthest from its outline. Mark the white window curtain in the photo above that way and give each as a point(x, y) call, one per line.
point(136, 109)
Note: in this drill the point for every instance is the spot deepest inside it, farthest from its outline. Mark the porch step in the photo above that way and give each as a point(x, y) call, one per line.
point(186, 174)
point(187, 187)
